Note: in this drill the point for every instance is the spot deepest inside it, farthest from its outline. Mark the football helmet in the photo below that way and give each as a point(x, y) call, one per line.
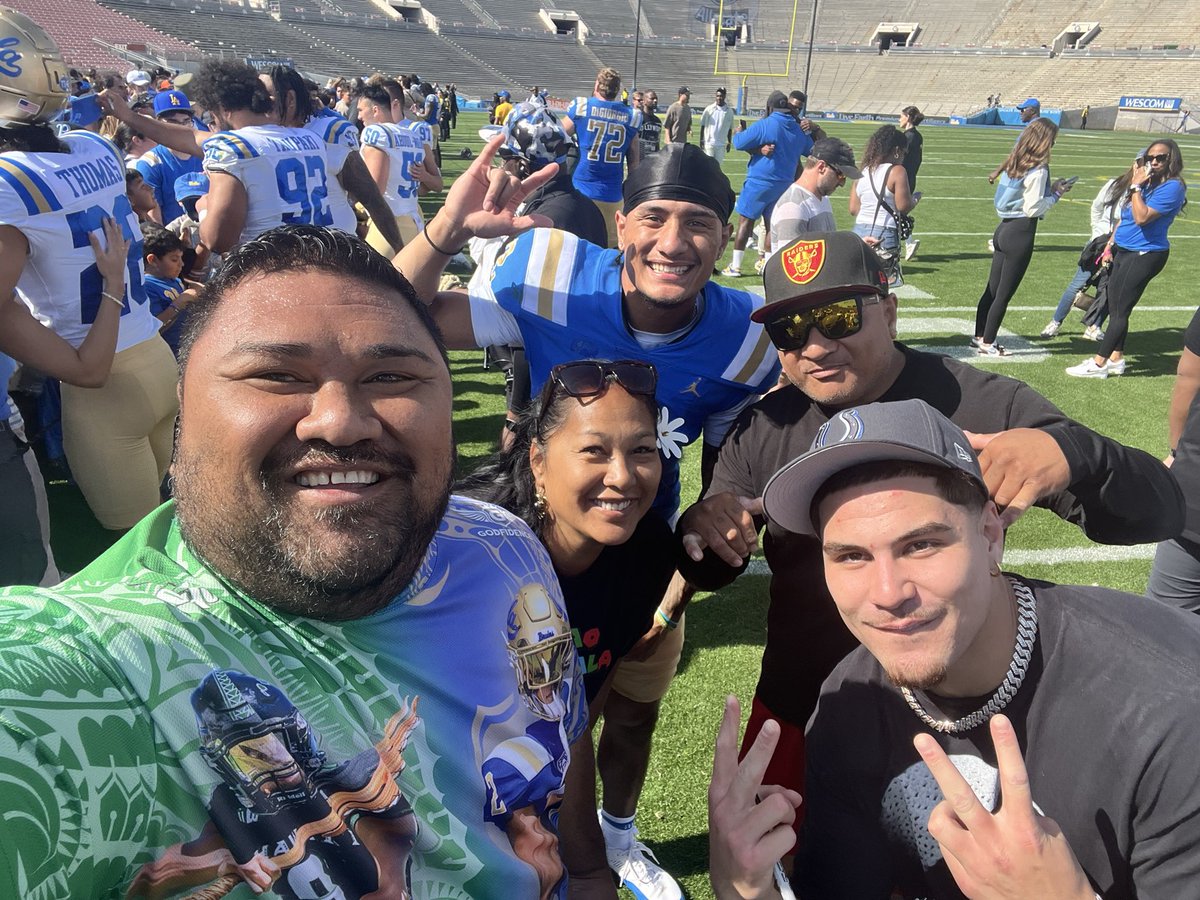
point(256, 740)
point(540, 647)
point(533, 134)
point(34, 79)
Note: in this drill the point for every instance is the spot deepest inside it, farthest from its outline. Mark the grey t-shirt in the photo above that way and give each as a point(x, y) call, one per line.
point(798, 212)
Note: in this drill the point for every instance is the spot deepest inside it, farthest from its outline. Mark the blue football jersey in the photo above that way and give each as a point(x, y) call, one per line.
point(605, 129)
point(160, 168)
point(566, 297)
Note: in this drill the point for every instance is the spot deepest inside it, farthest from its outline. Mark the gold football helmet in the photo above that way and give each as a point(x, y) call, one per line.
point(34, 84)
point(539, 647)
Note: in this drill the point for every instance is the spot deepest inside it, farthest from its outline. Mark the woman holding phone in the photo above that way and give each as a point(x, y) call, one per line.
point(1139, 249)
point(1024, 193)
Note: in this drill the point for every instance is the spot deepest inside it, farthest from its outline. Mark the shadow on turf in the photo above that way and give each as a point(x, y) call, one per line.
point(735, 616)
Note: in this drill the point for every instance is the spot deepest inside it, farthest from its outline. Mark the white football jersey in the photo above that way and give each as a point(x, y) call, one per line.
point(423, 130)
point(405, 150)
point(341, 139)
point(284, 170)
point(56, 200)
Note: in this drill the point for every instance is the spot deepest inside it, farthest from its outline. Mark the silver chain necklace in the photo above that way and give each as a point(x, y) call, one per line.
point(1026, 637)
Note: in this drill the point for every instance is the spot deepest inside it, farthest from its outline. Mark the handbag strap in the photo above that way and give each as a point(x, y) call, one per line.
point(886, 175)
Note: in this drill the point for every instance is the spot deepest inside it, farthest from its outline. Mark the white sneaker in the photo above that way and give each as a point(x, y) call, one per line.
point(730, 272)
point(1089, 369)
point(1051, 329)
point(1116, 368)
point(760, 265)
point(640, 873)
point(991, 246)
point(983, 349)
point(910, 249)
point(1093, 333)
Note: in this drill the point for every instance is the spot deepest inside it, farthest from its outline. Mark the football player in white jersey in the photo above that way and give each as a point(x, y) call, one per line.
point(56, 197)
point(398, 163)
point(295, 108)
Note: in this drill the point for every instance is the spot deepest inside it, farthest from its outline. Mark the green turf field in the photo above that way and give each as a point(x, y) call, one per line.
point(954, 221)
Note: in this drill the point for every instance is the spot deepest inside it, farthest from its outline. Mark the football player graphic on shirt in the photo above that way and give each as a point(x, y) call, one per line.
point(523, 776)
point(285, 819)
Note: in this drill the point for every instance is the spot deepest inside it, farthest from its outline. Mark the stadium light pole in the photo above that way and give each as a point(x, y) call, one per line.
point(812, 36)
point(637, 39)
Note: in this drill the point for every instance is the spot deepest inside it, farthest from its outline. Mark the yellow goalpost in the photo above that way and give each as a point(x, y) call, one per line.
point(787, 70)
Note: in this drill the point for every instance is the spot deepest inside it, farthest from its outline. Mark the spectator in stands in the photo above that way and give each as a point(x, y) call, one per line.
point(716, 127)
point(613, 554)
point(883, 193)
point(161, 167)
point(50, 189)
point(1025, 194)
point(1139, 249)
point(162, 254)
point(907, 795)
point(775, 144)
point(1030, 110)
point(352, 181)
point(650, 132)
point(805, 207)
point(910, 118)
point(399, 164)
point(1105, 214)
point(678, 123)
point(607, 132)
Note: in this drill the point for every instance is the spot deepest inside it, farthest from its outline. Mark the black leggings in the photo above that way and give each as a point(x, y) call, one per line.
point(1131, 273)
point(1013, 240)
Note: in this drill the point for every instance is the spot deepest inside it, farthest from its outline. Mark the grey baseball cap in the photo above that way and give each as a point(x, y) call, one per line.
point(908, 430)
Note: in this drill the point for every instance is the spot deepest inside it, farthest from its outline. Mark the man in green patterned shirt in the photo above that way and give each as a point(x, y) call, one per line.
point(286, 681)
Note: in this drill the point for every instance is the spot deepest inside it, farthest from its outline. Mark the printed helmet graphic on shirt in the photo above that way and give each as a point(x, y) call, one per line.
point(539, 648)
point(532, 133)
point(35, 83)
point(256, 740)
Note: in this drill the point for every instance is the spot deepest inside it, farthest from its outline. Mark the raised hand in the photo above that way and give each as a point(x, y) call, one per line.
point(749, 824)
point(1012, 854)
point(1020, 466)
point(113, 257)
point(723, 523)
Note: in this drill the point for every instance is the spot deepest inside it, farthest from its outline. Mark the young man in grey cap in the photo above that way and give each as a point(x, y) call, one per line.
point(564, 299)
point(831, 317)
point(805, 206)
point(908, 795)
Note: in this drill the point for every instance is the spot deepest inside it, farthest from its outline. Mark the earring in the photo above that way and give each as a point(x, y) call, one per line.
point(995, 570)
point(539, 505)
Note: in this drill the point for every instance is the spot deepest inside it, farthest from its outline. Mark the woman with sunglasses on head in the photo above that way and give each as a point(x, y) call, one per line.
point(1024, 193)
point(883, 190)
point(1139, 249)
point(582, 470)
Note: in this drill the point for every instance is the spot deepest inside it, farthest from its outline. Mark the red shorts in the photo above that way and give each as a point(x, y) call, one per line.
point(786, 768)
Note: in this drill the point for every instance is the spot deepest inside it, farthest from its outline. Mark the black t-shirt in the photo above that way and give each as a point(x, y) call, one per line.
point(912, 155)
point(650, 133)
point(568, 209)
point(1118, 495)
point(612, 603)
point(1186, 467)
point(1108, 719)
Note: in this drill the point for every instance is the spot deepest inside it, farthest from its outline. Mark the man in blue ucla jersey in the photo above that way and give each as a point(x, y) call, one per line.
point(607, 131)
point(161, 167)
point(563, 299)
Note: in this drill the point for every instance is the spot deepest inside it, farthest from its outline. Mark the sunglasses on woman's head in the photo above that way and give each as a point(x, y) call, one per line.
point(589, 378)
point(835, 320)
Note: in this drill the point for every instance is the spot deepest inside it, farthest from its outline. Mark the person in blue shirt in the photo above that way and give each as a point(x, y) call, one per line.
point(1138, 248)
point(650, 300)
point(775, 143)
point(162, 255)
point(162, 166)
point(607, 132)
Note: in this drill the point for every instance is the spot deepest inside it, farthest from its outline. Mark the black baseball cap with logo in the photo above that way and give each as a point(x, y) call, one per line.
point(838, 154)
point(905, 430)
point(817, 268)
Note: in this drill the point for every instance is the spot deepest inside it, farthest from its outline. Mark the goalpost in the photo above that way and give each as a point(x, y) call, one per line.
point(745, 76)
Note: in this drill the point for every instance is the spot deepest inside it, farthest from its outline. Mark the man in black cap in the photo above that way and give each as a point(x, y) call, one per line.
point(805, 206)
point(908, 795)
point(830, 315)
point(678, 123)
point(651, 299)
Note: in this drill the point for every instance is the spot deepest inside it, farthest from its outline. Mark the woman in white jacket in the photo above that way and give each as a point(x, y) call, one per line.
point(1024, 194)
point(1106, 213)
